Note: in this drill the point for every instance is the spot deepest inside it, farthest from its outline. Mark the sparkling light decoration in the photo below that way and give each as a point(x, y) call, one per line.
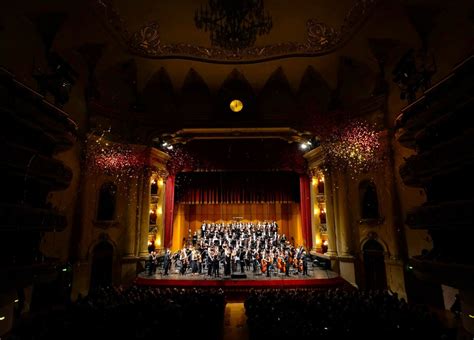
point(120, 161)
point(355, 148)
point(180, 160)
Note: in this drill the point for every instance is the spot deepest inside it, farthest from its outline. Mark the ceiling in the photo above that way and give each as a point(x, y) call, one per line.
point(150, 94)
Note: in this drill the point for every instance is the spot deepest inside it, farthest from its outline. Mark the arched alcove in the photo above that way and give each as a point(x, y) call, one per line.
point(374, 265)
point(101, 267)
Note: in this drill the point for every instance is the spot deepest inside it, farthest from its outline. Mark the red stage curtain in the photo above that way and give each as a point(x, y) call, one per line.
point(237, 187)
point(305, 210)
point(169, 210)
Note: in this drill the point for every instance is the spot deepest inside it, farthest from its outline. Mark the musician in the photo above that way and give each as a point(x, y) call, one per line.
point(215, 265)
point(184, 261)
point(195, 239)
point(241, 256)
point(305, 263)
point(167, 261)
point(152, 262)
point(194, 258)
point(268, 260)
point(287, 263)
point(227, 260)
point(209, 259)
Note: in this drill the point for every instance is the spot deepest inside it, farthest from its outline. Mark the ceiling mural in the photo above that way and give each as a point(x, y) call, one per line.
point(320, 39)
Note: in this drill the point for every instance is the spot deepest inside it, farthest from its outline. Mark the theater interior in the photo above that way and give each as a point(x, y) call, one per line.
point(128, 125)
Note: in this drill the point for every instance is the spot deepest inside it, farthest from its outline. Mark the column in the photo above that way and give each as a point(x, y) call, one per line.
point(343, 227)
point(160, 221)
point(131, 221)
point(314, 224)
point(330, 221)
point(143, 226)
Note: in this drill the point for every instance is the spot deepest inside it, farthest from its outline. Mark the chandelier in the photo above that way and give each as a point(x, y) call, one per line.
point(233, 24)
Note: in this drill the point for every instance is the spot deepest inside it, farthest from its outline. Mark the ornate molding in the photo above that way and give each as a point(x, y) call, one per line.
point(320, 39)
point(284, 133)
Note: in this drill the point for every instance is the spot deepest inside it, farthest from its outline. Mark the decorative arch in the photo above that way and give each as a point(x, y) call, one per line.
point(374, 236)
point(107, 201)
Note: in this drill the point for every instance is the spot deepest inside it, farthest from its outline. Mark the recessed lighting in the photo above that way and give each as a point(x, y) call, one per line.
point(236, 105)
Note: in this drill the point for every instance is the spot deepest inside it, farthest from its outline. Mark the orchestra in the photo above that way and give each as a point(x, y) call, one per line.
point(237, 247)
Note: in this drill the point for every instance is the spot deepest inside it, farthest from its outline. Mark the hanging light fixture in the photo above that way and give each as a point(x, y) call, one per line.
point(233, 24)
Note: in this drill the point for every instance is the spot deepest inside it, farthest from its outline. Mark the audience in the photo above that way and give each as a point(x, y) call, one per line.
point(146, 313)
point(133, 313)
point(337, 314)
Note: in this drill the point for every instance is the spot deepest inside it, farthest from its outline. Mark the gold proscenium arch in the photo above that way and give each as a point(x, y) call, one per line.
point(284, 133)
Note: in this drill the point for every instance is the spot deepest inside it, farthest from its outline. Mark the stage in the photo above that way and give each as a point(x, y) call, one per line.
point(317, 278)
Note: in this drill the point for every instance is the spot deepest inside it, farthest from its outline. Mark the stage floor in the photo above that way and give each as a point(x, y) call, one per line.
point(317, 277)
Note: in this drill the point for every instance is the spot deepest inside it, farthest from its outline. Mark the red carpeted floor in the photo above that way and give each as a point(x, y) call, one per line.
point(236, 283)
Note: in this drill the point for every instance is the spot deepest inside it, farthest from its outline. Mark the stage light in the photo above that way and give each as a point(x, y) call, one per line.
point(16, 300)
point(165, 144)
point(304, 146)
point(236, 105)
point(2, 318)
point(170, 147)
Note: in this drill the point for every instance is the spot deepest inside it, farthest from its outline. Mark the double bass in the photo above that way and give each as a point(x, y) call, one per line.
point(281, 265)
point(264, 265)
